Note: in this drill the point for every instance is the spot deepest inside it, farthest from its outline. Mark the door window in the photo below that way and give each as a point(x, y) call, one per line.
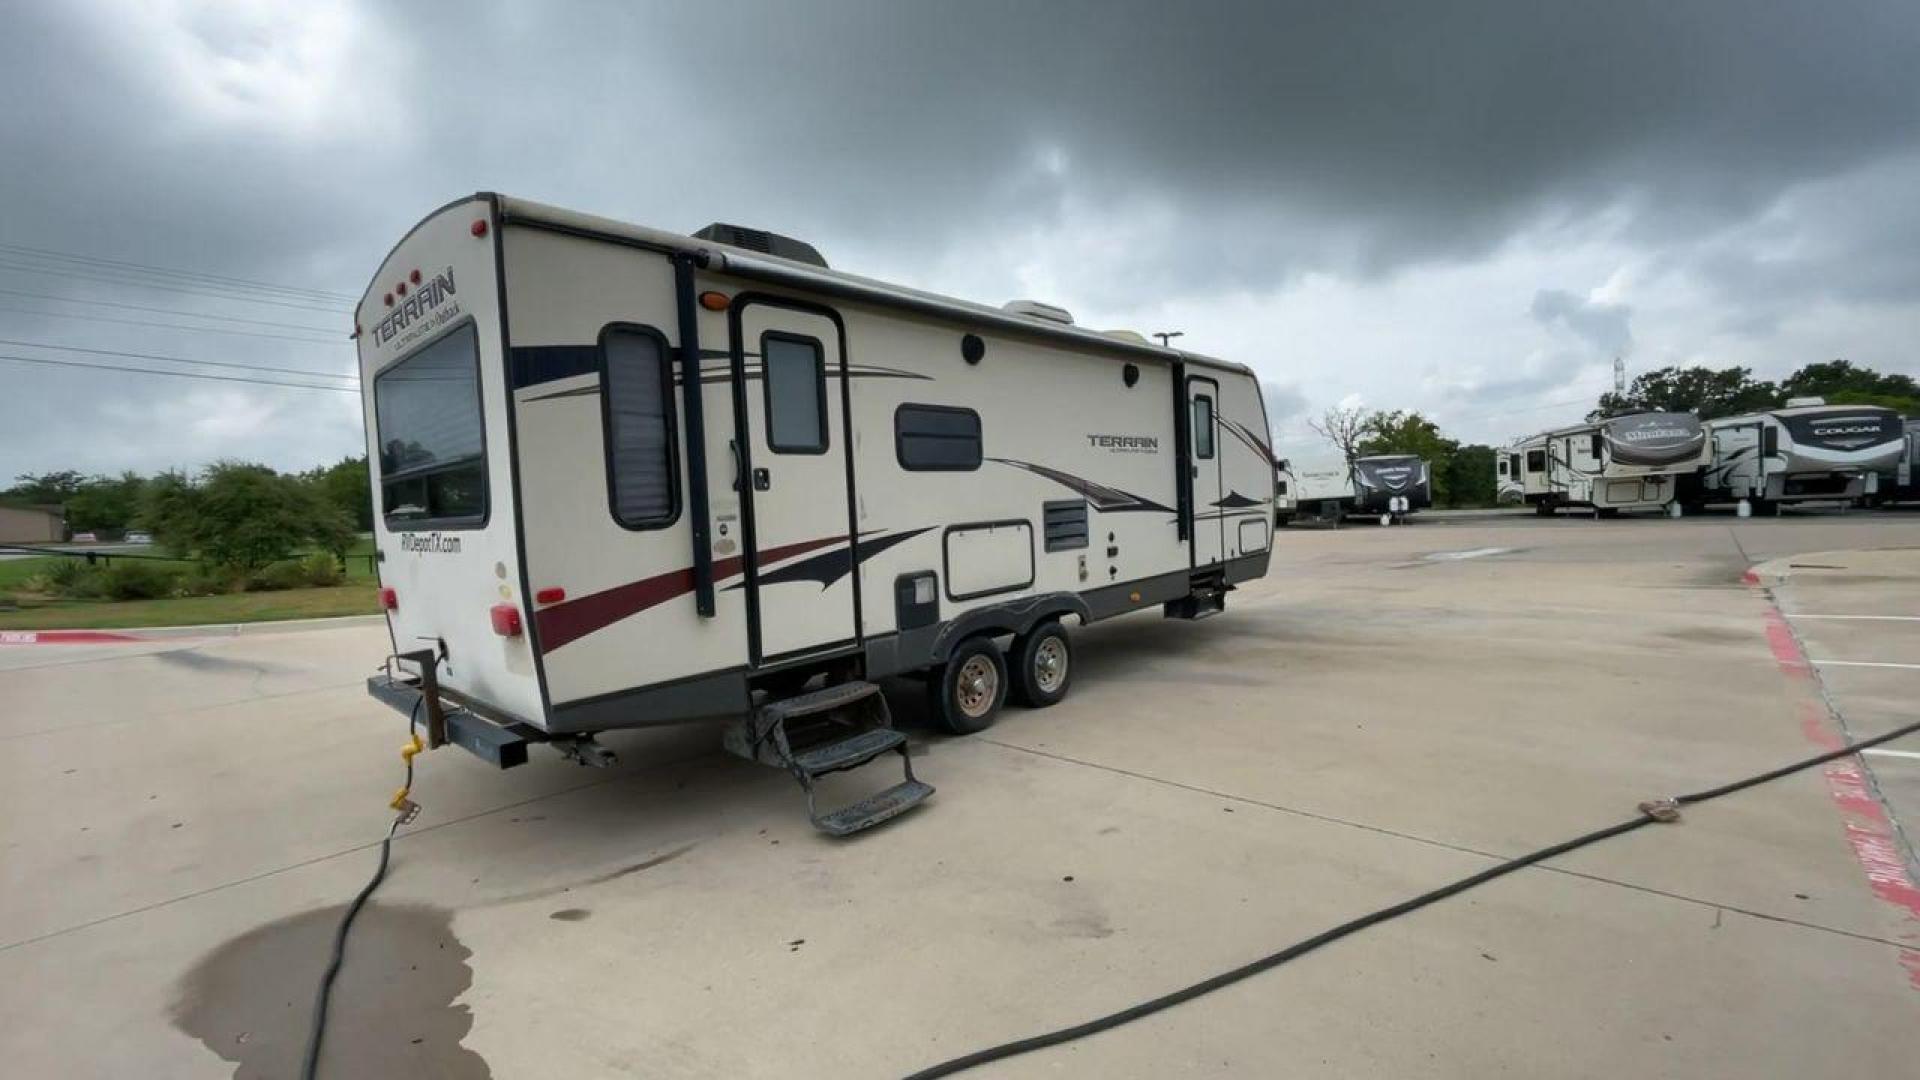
point(796, 394)
point(433, 469)
point(1536, 461)
point(1203, 427)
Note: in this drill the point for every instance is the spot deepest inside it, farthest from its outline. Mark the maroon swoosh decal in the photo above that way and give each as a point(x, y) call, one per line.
point(574, 619)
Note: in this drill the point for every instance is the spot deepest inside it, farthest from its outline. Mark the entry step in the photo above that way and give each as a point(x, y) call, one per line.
point(874, 809)
point(848, 753)
point(824, 700)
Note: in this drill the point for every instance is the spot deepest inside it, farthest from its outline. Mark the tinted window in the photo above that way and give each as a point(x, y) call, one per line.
point(796, 377)
point(1536, 461)
point(936, 438)
point(427, 411)
point(639, 428)
point(1203, 427)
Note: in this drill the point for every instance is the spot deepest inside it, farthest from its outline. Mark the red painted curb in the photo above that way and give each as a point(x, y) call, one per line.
point(64, 637)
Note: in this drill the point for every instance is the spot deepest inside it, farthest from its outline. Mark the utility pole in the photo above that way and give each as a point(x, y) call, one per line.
point(1167, 336)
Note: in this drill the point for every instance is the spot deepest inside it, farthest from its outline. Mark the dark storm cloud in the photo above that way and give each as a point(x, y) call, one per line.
point(1601, 325)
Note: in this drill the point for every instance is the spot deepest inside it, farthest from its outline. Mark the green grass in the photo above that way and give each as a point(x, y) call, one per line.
point(356, 598)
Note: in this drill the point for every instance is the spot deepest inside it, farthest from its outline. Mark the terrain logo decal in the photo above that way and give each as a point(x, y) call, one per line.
point(426, 300)
point(1108, 499)
point(1124, 444)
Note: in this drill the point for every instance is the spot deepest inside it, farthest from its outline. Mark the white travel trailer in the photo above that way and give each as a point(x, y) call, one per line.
point(627, 477)
point(1632, 462)
point(1906, 480)
point(1321, 492)
point(1808, 451)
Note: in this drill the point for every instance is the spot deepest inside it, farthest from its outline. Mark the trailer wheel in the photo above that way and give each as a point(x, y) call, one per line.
point(1040, 665)
point(967, 691)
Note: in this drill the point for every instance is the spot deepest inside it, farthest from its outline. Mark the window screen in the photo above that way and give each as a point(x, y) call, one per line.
point(936, 438)
point(1203, 427)
point(638, 388)
point(1536, 461)
point(796, 384)
point(433, 469)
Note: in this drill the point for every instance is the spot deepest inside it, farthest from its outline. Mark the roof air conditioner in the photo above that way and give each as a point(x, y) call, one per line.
point(1034, 309)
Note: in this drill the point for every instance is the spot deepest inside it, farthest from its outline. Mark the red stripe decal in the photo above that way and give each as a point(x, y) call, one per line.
point(1870, 832)
point(570, 621)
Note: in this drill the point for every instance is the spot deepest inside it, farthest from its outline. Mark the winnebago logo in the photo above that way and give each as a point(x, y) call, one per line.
point(430, 543)
point(1126, 444)
point(426, 299)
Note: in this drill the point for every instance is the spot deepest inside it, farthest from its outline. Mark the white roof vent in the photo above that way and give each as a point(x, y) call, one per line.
point(1127, 335)
point(1034, 309)
point(1796, 402)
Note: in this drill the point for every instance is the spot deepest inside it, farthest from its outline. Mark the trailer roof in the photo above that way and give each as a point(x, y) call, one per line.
point(728, 259)
point(1800, 410)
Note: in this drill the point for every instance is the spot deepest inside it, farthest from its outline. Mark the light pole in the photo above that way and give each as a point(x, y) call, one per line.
point(1167, 336)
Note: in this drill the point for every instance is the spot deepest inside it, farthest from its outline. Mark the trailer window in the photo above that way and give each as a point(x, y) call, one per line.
point(796, 390)
point(1203, 427)
point(936, 438)
point(433, 469)
point(1536, 461)
point(639, 427)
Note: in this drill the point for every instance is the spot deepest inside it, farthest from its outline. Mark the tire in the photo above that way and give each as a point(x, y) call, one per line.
point(966, 692)
point(1040, 666)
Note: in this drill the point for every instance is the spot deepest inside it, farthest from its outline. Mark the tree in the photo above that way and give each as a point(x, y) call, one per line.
point(1404, 432)
point(1835, 379)
point(45, 489)
point(242, 516)
point(1470, 477)
point(345, 486)
point(1343, 428)
point(1709, 392)
point(106, 503)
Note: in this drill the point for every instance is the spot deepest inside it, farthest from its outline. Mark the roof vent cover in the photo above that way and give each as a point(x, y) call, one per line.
point(1034, 309)
point(767, 243)
point(1797, 402)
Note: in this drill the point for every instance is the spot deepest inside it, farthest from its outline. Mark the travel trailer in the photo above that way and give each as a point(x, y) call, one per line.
point(1317, 492)
point(1632, 462)
point(1808, 451)
point(1391, 486)
point(1906, 480)
point(627, 477)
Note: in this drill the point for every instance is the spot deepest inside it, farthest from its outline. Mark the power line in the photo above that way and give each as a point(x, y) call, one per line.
point(177, 273)
point(166, 311)
point(173, 374)
point(178, 359)
point(171, 326)
point(91, 275)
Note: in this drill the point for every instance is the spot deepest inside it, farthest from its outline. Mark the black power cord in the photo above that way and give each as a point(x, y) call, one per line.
point(1650, 812)
point(317, 1027)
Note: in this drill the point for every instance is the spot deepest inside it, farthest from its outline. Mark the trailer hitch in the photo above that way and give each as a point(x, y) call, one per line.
point(428, 661)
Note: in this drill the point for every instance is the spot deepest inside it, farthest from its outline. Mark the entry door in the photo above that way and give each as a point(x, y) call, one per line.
point(789, 368)
point(1203, 450)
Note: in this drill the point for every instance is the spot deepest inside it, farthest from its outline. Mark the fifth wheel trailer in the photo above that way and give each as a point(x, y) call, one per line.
point(627, 477)
point(1634, 462)
point(1806, 452)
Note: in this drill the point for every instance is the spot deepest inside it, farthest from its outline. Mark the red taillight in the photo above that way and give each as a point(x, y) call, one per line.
point(549, 596)
point(389, 599)
point(479, 227)
point(506, 620)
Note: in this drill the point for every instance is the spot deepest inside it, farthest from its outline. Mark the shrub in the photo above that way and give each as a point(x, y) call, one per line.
point(285, 574)
point(207, 581)
point(133, 579)
point(322, 569)
point(75, 578)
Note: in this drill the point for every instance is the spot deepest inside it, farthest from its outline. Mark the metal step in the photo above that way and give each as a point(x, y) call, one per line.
point(848, 753)
point(874, 809)
point(823, 700)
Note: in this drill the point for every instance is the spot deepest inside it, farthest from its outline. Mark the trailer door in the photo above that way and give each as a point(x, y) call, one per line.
point(795, 471)
point(1203, 447)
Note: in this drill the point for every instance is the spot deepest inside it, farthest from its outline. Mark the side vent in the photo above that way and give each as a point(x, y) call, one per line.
point(1066, 524)
point(767, 243)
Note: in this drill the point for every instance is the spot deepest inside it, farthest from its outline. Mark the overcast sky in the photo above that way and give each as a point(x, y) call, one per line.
point(1463, 208)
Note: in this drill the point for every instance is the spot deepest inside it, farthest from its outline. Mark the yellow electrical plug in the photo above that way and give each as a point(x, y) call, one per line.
point(414, 746)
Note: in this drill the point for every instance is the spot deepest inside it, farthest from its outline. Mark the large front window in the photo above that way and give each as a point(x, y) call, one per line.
point(433, 469)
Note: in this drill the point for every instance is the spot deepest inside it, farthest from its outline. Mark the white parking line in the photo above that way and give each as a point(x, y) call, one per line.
point(1893, 753)
point(1864, 663)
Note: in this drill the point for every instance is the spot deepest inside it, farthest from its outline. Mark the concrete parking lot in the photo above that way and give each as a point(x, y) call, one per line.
point(182, 820)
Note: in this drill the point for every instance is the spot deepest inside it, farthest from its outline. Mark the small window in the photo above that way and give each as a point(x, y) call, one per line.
point(1593, 445)
point(433, 468)
point(796, 391)
point(637, 389)
point(1769, 441)
point(1536, 461)
point(1279, 487)
point(1503, 466)
point(936, 438)
point(1203, 427)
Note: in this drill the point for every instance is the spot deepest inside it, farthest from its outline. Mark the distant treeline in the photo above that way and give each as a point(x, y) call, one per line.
point(336, 496)
point(1717, 392)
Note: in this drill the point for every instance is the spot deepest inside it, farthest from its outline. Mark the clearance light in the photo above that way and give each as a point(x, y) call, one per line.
point(389, 599)
point(549, 596)
point(414, 277)
point(713, 301)
point(389, 299)
point(506, 620)
point(400, 289)
point(479, 227)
